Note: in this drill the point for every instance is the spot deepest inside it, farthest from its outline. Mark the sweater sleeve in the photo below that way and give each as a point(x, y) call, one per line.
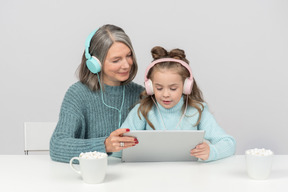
point(221, 144)
point(68, 139)
point(64, 145)
point(133, 122)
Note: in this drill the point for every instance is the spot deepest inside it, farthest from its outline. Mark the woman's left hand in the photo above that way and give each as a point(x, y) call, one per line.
point(201, 151)
point(113, 142)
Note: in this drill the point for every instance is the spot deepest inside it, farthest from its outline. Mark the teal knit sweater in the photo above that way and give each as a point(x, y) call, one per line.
point(85, 122)
point(221, 144)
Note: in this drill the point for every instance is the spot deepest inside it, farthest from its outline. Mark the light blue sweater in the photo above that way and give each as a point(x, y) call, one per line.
point(221, 144)
point(85, 122)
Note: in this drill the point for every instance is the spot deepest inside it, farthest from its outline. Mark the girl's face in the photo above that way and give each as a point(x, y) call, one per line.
point(117, 64)
point(167, 86)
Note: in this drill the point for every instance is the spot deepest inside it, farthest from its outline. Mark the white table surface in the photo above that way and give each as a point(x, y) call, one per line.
point(40, 173)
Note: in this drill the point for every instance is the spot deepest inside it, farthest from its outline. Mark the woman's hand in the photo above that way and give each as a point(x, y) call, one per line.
point(116, 142)
point(201, 151)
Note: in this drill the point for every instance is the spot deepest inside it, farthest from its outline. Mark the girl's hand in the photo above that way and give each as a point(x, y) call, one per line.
point(201, 151)
point(113, 142)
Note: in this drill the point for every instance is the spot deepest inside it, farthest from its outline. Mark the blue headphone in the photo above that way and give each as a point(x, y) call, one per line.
point(93, 64)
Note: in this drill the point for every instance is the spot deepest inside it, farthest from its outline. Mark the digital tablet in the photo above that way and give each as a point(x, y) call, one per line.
point(162, 145)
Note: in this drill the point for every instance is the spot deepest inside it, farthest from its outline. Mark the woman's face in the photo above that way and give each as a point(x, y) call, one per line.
point(117, 64)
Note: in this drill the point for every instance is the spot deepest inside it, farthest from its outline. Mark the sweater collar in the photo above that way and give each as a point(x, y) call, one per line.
point(176, 108)
point(113, 90)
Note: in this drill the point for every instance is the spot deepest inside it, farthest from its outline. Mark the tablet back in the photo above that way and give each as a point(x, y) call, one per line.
point(162, 145)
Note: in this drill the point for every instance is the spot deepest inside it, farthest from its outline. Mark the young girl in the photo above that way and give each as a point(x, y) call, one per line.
point(172, 100)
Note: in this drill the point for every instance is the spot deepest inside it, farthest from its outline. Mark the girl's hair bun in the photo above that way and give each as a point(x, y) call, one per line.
point(178, 54)
point(158, 52)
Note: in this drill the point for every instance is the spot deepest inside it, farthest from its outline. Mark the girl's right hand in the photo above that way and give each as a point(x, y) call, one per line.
point(113, 142)
point(201, 151)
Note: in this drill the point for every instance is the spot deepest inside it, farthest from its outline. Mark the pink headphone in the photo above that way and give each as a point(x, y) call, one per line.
point(188, 83)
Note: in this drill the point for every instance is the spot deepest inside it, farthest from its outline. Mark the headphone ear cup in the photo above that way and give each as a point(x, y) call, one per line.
point(93, 64)
point(187, 88)
point(149, 87)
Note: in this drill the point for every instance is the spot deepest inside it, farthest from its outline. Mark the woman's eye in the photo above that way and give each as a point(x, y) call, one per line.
point(173, 89)
point(159, 89)
point(115, 61)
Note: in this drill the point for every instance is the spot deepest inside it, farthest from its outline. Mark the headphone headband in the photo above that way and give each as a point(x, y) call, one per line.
point(168, 60)
point(92, 63)
point(87, 44)
point(188, 83)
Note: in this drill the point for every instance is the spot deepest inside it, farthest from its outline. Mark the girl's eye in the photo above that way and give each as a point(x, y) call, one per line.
point(158, 89)
point(115, 61)
point(173, 89)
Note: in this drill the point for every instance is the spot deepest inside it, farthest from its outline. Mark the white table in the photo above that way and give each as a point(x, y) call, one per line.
point(39, 173)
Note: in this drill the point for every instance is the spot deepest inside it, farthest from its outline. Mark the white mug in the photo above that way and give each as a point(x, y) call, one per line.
point(92, 170)
point(259, 165)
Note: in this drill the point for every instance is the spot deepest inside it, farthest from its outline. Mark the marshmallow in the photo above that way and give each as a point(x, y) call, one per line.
point(92, 155)
point(259, 152)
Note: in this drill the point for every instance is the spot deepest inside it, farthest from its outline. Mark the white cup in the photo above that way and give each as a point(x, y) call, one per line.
point(259, 163)
point(91, 168)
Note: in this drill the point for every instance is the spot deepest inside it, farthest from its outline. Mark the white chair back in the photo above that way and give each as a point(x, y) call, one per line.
point(37, 136)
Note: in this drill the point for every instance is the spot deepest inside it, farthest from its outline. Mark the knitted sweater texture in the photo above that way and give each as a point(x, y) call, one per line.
point(221, 144)
point(85, 121)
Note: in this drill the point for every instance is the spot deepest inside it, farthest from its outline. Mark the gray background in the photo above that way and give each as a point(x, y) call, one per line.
point(237, 50)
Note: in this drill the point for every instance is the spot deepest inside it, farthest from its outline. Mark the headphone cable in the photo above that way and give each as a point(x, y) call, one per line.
point(119, 110)
point(162, 117)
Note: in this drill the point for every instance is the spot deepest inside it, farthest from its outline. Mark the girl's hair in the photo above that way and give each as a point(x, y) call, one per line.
point(100, 44)
point(195, 99)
